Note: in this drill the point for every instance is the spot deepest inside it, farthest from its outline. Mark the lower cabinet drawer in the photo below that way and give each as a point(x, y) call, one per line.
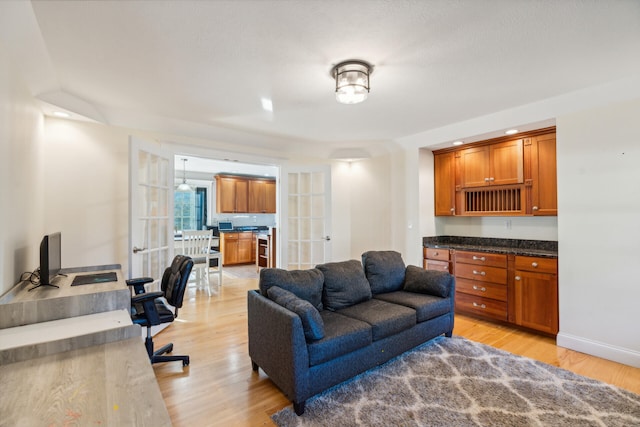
point(430, 264)
point(481, 306)
point(482, 289)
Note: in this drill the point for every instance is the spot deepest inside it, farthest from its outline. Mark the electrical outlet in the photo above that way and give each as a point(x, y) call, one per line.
point(507, 224)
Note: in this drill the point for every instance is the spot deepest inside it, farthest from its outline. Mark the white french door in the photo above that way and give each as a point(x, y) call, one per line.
point(150, 204)
point(306, 205)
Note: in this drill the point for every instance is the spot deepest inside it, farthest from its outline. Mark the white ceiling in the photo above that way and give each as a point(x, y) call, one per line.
point(199, 68)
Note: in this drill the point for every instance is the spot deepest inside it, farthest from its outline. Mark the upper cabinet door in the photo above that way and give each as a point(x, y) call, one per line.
point(506, 163)
point(444, 184)
point(475, 166)
point(544, 188)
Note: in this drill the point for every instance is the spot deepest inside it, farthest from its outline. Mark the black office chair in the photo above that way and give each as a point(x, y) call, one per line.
point(149, 309)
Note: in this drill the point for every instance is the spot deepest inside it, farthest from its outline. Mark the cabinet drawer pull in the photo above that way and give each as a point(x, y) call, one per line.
point(445, 268)
point(534, 264)
point(535, 208)
point(517, 277)
point(436, 253)
point(479, 258)
point(483, 289)
point(475, 304)
point(482, 273)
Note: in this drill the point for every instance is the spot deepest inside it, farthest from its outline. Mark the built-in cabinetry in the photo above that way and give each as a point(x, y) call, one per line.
point(266, 250)
point(535, 293)
point(522, 290)
point(481, 284)
point(505, 176)
point(239, 194)
point(237, 247)
point(437, 259)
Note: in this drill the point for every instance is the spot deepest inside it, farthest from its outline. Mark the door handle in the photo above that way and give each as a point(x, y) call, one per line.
point(327, 238)
point(137, 249)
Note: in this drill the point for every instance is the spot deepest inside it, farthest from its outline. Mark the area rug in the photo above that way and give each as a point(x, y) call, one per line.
point(456, 382)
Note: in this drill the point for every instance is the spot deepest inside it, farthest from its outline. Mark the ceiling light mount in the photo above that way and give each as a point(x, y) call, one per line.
point(352, 81)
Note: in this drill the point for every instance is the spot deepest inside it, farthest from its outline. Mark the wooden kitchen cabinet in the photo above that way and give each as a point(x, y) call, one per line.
point(232, 194)
point(437, 259)
point(499, 177)
point(535, 289)
point(481, 284)
point(236, 247)
point(544, 182)
point(495, 164)
point(444, 183)
point(262, 196)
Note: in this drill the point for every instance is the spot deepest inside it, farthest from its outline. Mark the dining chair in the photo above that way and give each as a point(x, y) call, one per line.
point(197, 245)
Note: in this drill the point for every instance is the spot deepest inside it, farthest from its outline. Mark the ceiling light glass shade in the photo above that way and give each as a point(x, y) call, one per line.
point(184, 188)
point(352, 81)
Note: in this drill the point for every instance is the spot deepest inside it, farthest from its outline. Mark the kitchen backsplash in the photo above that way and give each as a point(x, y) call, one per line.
point(240, 220)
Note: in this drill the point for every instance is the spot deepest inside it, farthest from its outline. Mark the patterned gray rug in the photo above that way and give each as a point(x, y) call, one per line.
point(456, 382)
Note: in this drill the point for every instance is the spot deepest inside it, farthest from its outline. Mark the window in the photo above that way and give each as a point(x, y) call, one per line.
point(190, 210)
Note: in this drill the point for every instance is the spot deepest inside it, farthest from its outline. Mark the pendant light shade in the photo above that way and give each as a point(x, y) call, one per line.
point(352, 81)
point(184, 187)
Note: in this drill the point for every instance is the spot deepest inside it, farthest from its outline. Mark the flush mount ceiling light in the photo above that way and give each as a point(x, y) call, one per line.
point(184, 187)
point(511, 131)
point(352, 81)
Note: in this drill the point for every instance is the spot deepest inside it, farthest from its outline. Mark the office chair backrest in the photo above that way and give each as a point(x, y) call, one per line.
point(174, 280)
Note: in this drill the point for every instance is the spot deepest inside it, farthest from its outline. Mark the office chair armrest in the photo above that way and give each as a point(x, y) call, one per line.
point(138, 284)
point(141, 298)
point(139, 281)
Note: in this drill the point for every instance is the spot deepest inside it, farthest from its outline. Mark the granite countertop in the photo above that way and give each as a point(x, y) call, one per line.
point(539, 248)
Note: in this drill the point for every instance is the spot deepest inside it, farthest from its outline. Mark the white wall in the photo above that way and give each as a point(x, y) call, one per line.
point(87, 190)
point(21, 177)
point(599, 231)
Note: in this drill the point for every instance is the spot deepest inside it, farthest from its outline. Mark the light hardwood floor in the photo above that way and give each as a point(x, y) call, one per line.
point(220, 389)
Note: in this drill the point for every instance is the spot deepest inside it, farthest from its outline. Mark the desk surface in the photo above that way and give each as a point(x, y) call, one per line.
point(20, 306)
point(110, 385)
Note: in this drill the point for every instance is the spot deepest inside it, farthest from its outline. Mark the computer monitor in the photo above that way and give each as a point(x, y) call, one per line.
point(225, 226)
point(50, 259)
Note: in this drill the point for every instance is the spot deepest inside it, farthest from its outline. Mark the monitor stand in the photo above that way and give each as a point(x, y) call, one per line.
point(48, 284)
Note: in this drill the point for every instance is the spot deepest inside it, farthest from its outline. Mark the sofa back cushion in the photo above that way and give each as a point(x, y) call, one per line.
point(305, 284)
point(432, 282)
point(344, 284)
point(312, 323)
point(384, 270)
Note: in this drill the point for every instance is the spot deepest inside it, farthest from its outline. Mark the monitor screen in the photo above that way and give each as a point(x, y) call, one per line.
point(225, 226)
point(50, 258)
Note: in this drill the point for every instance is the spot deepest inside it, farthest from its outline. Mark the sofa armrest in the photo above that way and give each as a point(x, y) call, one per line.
point(277, 344)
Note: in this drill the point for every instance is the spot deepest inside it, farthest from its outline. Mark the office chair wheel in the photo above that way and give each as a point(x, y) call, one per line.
point(185, 363)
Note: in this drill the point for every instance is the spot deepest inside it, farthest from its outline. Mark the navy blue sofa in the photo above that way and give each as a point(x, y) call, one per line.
point(312, 329)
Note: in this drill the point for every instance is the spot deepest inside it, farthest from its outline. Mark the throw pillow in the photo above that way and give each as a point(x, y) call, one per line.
point(312, 323)
point(384, 270)
point(430, 282)
point(344, 284)
point(305, 284)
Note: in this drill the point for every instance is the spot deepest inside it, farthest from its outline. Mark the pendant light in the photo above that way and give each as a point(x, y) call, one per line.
point(184, 187)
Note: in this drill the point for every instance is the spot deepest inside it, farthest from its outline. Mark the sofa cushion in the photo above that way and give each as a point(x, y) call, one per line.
point(342, 335)
point(344, 284)
point(426, 306)
point(385, 318)
point(305, 284)
point(384, 270)
point(431, 282)
point(312, 323)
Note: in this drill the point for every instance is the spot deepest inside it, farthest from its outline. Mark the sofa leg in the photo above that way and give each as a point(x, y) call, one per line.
point(449, 334)
point(254, 366)
point(299, 407)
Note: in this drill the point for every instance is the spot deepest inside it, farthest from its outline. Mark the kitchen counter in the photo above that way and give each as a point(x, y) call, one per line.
point(539, 248)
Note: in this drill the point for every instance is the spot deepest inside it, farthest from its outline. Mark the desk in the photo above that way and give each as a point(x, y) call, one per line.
point(109, 384)
point(20, 306)
point(72, 356)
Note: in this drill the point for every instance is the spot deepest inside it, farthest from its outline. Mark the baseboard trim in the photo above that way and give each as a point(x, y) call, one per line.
point(599, 349)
